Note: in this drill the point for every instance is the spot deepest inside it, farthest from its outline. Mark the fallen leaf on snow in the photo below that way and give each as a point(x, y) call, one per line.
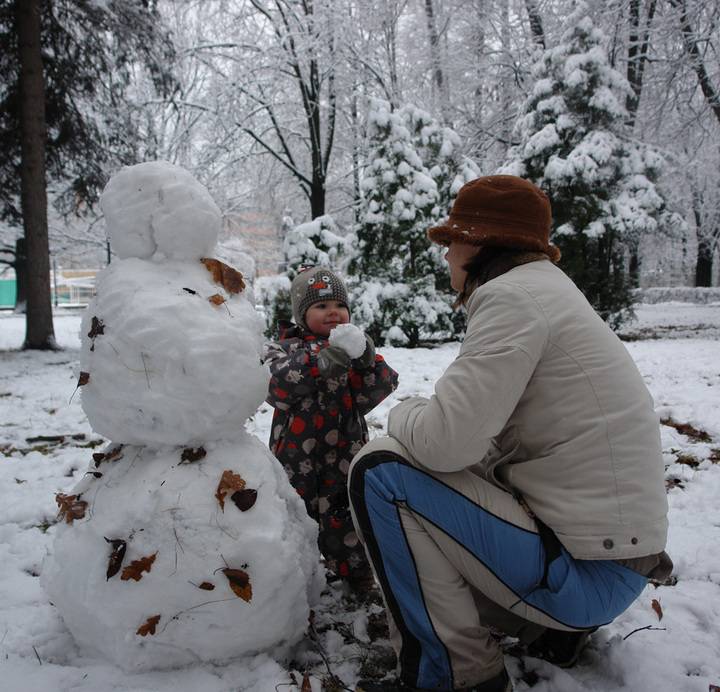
point(230, 279)
point(229, 483)
point(71, 507)
point(96, 328)
point(135, 569)
point(239, 583)
point(657, 608)
point(112, 455)
point(116, 557)
point(216, 299)
point(189, 454)
point(244, 499)
point(83, 379)
point(206, 586)
point(148, 627)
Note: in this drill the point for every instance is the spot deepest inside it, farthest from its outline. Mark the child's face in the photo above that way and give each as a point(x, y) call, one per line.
point(321, 318)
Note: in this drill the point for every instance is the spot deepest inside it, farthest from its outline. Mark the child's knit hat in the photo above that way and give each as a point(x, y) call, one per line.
point(314, 285)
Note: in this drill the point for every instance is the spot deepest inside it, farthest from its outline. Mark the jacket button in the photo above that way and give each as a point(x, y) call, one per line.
point(634, 540)
point(608, 544)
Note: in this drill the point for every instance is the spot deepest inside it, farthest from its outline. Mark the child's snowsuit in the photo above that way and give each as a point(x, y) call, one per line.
point(318, 427)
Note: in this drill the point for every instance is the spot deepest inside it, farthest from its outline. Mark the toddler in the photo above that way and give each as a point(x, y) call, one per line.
point(321, 395)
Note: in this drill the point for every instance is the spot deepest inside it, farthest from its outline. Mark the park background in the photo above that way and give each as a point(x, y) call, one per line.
point(338, 132)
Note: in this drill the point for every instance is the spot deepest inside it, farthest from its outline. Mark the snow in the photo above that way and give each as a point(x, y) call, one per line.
point(171, 368)
point(349, 338)
point(159, 207)
point(679, 357)
point(164, 507)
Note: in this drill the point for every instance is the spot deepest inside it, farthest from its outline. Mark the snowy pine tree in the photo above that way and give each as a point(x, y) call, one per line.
point(317, 242)
point(574, 144)
point(401, 291)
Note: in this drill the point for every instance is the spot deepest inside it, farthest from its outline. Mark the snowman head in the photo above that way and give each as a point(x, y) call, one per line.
point(157, 209)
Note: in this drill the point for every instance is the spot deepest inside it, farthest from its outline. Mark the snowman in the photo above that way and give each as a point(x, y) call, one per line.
point(184, 542)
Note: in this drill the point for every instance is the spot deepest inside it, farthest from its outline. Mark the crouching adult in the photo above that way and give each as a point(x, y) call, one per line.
point(526, 494)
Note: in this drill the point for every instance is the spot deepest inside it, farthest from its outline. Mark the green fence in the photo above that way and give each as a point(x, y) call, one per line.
point(7, 293)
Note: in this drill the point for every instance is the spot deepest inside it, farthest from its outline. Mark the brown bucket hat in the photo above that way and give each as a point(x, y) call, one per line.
point(499, 211)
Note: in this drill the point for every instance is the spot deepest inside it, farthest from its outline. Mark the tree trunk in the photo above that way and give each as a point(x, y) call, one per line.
point(33, 196)
point(439, 79)
point(637, 57)
point(704, 265)
point(536, 25)
point(20, 267)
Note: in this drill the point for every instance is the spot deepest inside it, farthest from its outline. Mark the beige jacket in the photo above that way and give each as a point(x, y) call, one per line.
point(543, 398)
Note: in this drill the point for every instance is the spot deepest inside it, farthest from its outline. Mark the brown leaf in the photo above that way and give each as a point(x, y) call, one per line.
point(714, 688)
point(230, 279)
point(96, 328)
point(657, 608)
point(688, 430)
point(229, 483)
point(112, 455)
point(244, 499)
point(239, 583)
point(135, 569)
point(83, 379)
point(189, 454)
point(206, 586)
point(71, 507)
point(306, 686)
point(148, 627)
point(116, 557)
point(216, 299)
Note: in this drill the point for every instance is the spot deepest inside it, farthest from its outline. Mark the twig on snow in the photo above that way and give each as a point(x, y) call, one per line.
point(647, 627)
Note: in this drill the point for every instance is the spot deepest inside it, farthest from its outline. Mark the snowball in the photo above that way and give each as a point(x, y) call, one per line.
point(158, 207)
point(170, 367)
point(162, 506)
point(349, 338)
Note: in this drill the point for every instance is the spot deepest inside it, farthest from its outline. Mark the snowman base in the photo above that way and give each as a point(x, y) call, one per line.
point(170, 557)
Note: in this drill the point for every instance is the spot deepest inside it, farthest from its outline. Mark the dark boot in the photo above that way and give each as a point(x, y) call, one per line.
point(360, 586)
point(500, 683)
point(560, 648)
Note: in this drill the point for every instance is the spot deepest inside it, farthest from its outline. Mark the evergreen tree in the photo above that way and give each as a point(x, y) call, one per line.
point(90, 54)
point(57, 58)
point(574, 144)
point(401, 293)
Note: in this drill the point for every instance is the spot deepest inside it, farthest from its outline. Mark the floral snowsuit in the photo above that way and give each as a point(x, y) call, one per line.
point(318, 427)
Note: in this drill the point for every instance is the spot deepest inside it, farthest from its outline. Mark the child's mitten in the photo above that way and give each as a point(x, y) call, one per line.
point(332, 362)
point(367, 359)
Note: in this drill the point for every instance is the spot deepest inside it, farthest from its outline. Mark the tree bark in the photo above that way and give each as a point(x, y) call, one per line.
point(20, 267)
point(33, 196)
point(439, 79)
point(536, 24)
point(704, 264)
point(637, 56)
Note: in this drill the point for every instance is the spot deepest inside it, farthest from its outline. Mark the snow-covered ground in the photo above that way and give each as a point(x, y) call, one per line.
point(679, 356)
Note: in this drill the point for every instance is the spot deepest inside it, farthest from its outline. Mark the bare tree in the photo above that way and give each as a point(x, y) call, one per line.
point(306, 41)
point(693, 49)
